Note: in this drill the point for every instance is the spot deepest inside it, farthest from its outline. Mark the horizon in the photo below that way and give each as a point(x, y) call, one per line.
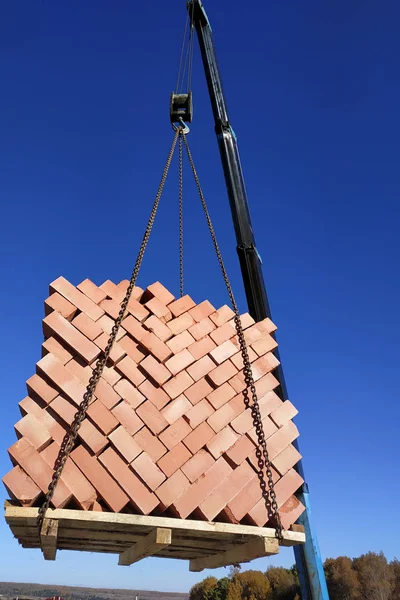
point(85, 135)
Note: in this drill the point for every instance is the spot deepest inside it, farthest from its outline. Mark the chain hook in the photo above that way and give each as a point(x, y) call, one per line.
point(183, 127)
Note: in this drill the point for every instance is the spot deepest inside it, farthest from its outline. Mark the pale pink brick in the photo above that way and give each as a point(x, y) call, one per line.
point(202, 311)
point(265, 344)
point(134, 328)
point(176, 409)
point(175, 433)
point(53, 346)
point(58, 303)
point(284, 413)
point(222, 316)
point(21, 487)
point(222, 334)
point(202, 347)
point(221, 442)
point(127, 417)
point(91, 290)
point(172, 489)
point(129, 368)
point(39, 388)
point(102, 417)
point(32, 430)
point(244, 422)
point(71, 293)
point(202, 367)
point(199, 413)
point(181, 323)
point(61, 378)
point(117, 352)
point(174, 459)
point(199, 437)
point(198, 391)
point(221, 395)
point(181, 305)
point(237, 358)
point(148, 471)
point(55, 325)
point(180, 342)
point(239, 451)
point(150, 443)
point(152, 417)
point(179, 362)
point(154, 345)
point(132, 348)
point(155, 370)
point(156, 395)
point(106, 394)
point(87, 326)
point(160, 310)
point(284, 488)
point(196, 466)
point(125, 444)
point(156, 326)
point(178, 384)
point(269, 429)
point(157, 290)
point(286, 459)
point(225, 415)
point(222, 373)
point(223, 352)
point(201, 329)
point(129, 392)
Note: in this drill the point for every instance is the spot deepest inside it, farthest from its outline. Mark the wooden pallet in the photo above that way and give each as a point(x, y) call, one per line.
point(206, 545)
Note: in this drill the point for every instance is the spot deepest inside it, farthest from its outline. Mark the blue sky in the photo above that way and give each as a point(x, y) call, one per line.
point(85, 133)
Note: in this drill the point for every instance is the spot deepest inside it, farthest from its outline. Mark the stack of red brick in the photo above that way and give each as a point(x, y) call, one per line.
point(167, 431)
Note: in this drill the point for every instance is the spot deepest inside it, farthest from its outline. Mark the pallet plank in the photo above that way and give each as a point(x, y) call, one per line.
point(152, 544)
point(48, 538)
point(255, 548)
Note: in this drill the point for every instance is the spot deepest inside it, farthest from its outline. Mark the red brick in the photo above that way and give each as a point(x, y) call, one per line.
point(199, 437)
point(222, 373)
point(83, 491)
point(284, 488)
point(148, 471)
point(286, 459)
point(106, 394)
point(178, 384)
point(202, 347)
point(137, 291)
point(204, 486)
point(201, 368)
point(107, 325)
point(202, 311)
point(150, 444)
point(125, 444)
point(222, 316)
point(238, 382)
point(221, 395)
point(172, 489)
point(106, 486)
point(290, 511)
point(136, 309)
point(181, 323)
point(152, 417)
point(223, 352)
point(154, 345)
point(30, 407)
point(180, 342)
point(266, 384)
point(198, 391)
point(113, 291)
point(222, 334)
point(246, 321)
point(282, 438)
point(225, 415)
point(176, 409)
point(264, 345)
point(129, 368)
point(244, 422)
point(239, 451)
point(129, 393)
point(226, 491)
point(175, 433)
point(182, 305)
point(102, 417)
point(134, 328)
point(117, 352)
point(91, 290)
point(87, 431)
point(156, 326)
point(201, 329)
point(174, 459)
point(269, 429)
point(199, 413)
point(39, 388)
point(127, 417)
point(196, 466)
point(97, 507)
point(66, 289)
point(257, 331)
point(61, 377)
point(132, 348)
point(156, 395)
point(157, 290)
point(245, 500)
point(31, 429)
point(144, 501)
point(87, 326)
point(54, 324)
point(154, 369)
point(53, 346)
point(263, 365)
point(237, 358)
point(61, 305)
point(159, 309)
point(221, 442)
point(25, 455)
point(284, 413)
point(179, 361)
point(21, 487)
point(111, 376)
point(80, 370)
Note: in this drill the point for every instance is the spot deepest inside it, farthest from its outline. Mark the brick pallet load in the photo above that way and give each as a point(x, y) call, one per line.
point(167, 433)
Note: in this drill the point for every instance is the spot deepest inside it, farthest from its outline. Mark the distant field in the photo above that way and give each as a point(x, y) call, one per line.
point(10, 590)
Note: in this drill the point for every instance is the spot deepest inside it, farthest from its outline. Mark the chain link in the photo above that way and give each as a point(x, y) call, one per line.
point(71, 435)
point(263, 461)
point(181, 280)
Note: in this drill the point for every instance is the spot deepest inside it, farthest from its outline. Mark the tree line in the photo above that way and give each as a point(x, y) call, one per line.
point(368, 577)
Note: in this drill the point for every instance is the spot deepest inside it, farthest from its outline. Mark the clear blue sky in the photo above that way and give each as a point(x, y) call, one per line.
point(314, 95)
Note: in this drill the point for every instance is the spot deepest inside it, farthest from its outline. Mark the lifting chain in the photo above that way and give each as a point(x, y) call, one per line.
point(71, 435)
point(269, 494)
point(180, 147)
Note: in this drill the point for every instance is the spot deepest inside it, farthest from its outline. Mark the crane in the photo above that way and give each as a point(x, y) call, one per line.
point(308, 557)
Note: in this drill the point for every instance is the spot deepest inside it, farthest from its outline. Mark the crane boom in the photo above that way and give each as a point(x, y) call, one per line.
point(308, 557)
